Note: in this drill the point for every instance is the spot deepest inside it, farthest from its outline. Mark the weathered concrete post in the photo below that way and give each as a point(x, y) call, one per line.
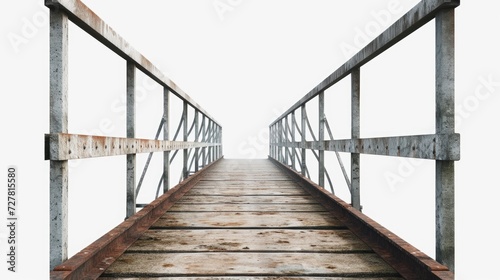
point(196, 139)
point(185, 171)
point(166, 135)
point(445, 124)
point(131, 158)
point(321, 139)
point(355, 133)
point(58, 124)
point(303, 139)
point(293, 140)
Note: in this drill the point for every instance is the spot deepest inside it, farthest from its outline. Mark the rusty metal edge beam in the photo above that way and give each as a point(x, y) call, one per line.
point(64, 146)
point(92, 261)
point(91, 23)
point(419, 15)
point(407, 260)
point(432, 146)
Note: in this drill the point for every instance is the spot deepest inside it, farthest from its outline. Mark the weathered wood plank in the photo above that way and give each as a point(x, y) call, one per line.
point(248, 199)
point(227, 264)
point(245, 184)
point(247, 191)
point(252, 278)
point(247, 219)
point(179, 207)
point(248, 240)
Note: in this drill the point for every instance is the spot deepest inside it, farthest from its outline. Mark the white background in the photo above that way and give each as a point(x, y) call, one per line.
point(245, 66)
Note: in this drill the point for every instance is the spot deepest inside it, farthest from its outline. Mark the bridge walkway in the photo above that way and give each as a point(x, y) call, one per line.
point(247, 218)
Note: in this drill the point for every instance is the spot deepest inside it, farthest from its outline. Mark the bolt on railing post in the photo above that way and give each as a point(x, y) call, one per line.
point(58, 124)
point(321, 139)
point(131, 158)
point(166, 135)
point(355, 133)
point(196, 139)
point(445, 124)
point(303, 139)
point(185, 138)
point(293, 140)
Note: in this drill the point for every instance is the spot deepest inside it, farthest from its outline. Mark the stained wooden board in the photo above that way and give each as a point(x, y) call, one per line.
point(247, 219)
point(247, 184)
point(247, 191)
point(247, 177)
point(248, 240)
point(255, 199)
point(180, 207)
point(251, 278)
point(227, 264)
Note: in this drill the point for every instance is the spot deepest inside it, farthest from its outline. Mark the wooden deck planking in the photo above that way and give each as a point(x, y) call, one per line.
point(247, 220)
point(258, 264)
point(250, 240)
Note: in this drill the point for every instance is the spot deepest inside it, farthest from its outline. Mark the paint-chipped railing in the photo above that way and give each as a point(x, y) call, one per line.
point(443, 146)
point(62, 146)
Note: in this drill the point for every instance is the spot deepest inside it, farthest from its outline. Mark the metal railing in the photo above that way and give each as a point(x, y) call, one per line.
point(443, 147)
point(62, 146)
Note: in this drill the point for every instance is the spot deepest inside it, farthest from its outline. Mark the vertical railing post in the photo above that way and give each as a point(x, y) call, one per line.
point(278, 139)
point(204, 139)
point(293, 139)
point(210, 140)
point(131, 158)
point(185, 138)
point(321, 139)
point(286, 140)
point(196, 139)
point(445, 124)
point(221, 151)
point(58, 124)
point(272, 141)
point(166, 135)
point(355, 133)
point(303, 139)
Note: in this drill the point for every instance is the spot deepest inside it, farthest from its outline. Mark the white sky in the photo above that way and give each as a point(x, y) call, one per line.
point(246, 66)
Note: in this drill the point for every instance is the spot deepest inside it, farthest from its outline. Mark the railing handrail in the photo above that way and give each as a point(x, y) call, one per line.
point(91, 23)
point(443, 146)
point(418, 16)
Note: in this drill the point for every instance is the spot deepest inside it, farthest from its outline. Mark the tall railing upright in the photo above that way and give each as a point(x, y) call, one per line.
point(443, 147)
point(62, 146)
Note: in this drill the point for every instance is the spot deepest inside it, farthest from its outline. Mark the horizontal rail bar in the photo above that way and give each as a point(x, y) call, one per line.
point(410, 262)
point(63, 146)
point(407, 24)
point(92, 261)
point(433, 146)
point(87, 20)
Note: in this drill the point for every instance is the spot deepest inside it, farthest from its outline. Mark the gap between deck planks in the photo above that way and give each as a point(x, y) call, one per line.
point(247, 219)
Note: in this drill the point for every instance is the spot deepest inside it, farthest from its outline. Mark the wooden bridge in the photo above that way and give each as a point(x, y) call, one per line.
point(250, 219)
